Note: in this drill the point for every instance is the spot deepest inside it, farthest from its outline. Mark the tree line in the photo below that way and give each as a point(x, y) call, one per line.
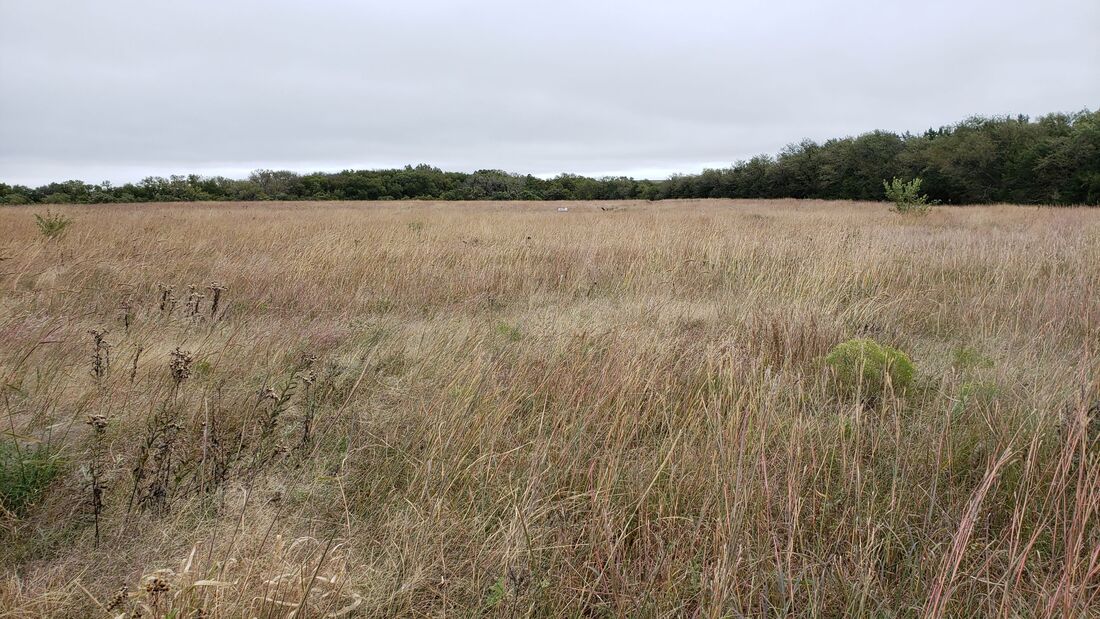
point(1053, 159)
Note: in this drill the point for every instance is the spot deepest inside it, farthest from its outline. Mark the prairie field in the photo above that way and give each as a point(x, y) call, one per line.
point(396, 409)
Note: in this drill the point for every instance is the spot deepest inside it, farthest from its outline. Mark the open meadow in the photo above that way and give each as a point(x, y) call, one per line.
point(494, 408)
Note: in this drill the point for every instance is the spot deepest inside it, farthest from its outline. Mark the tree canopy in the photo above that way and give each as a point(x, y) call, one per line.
point(1054, 159)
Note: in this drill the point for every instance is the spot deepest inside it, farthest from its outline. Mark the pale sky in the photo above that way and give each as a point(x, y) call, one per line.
point(121, 89)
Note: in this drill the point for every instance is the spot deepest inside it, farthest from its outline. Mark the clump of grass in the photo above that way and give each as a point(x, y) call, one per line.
point(967, 358)
point(25, 472)
point(510, 332)
point(865, 368)
point(651, 443)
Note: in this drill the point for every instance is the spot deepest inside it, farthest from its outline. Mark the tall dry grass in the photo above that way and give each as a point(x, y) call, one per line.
point(407, 409)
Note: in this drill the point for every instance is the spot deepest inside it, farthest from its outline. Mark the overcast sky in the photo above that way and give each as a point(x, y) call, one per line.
point(119, 89)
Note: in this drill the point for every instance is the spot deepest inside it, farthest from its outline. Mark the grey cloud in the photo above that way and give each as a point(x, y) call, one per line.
point(116, 90)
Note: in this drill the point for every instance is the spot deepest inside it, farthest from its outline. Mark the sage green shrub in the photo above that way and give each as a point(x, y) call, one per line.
point(52, 225)
point(906, 196)
point(863, 366)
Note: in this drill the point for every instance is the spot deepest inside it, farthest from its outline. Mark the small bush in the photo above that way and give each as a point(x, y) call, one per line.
point(24, 474)
point(967, 358)
point(863, 366)
point(52, 225)
point(906, 196)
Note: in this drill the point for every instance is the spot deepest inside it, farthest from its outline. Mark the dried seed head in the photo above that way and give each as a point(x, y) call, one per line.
point(194, 299)
point(127, 308)
point(101, 353)
point(119, 598)
point(216, 290)
point(180, 365)
point(98, 423)
point(267, 393)
point(167, 299)
point(156, 585)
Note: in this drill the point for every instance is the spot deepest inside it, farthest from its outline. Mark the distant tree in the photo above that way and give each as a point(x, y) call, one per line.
point(1054, 159)
point(276, 184)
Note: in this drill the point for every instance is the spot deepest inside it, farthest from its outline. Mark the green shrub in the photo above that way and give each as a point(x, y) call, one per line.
point(52, 225)
point(966, 358)
point(24, 474)
point(863, 366)
point(907, 197)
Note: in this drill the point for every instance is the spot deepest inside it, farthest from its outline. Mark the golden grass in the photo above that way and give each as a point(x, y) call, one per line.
point(409, 409)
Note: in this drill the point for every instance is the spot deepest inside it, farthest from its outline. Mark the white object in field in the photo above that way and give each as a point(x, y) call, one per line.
point(563, 209)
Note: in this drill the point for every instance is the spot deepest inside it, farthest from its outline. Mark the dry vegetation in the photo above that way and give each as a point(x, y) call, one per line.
point(410, 409)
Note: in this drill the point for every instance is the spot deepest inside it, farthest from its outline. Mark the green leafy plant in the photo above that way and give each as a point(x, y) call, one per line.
point(494, 595)
point(907, 197)
point(52, 225)
point(863, 366)
point(25, 471)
